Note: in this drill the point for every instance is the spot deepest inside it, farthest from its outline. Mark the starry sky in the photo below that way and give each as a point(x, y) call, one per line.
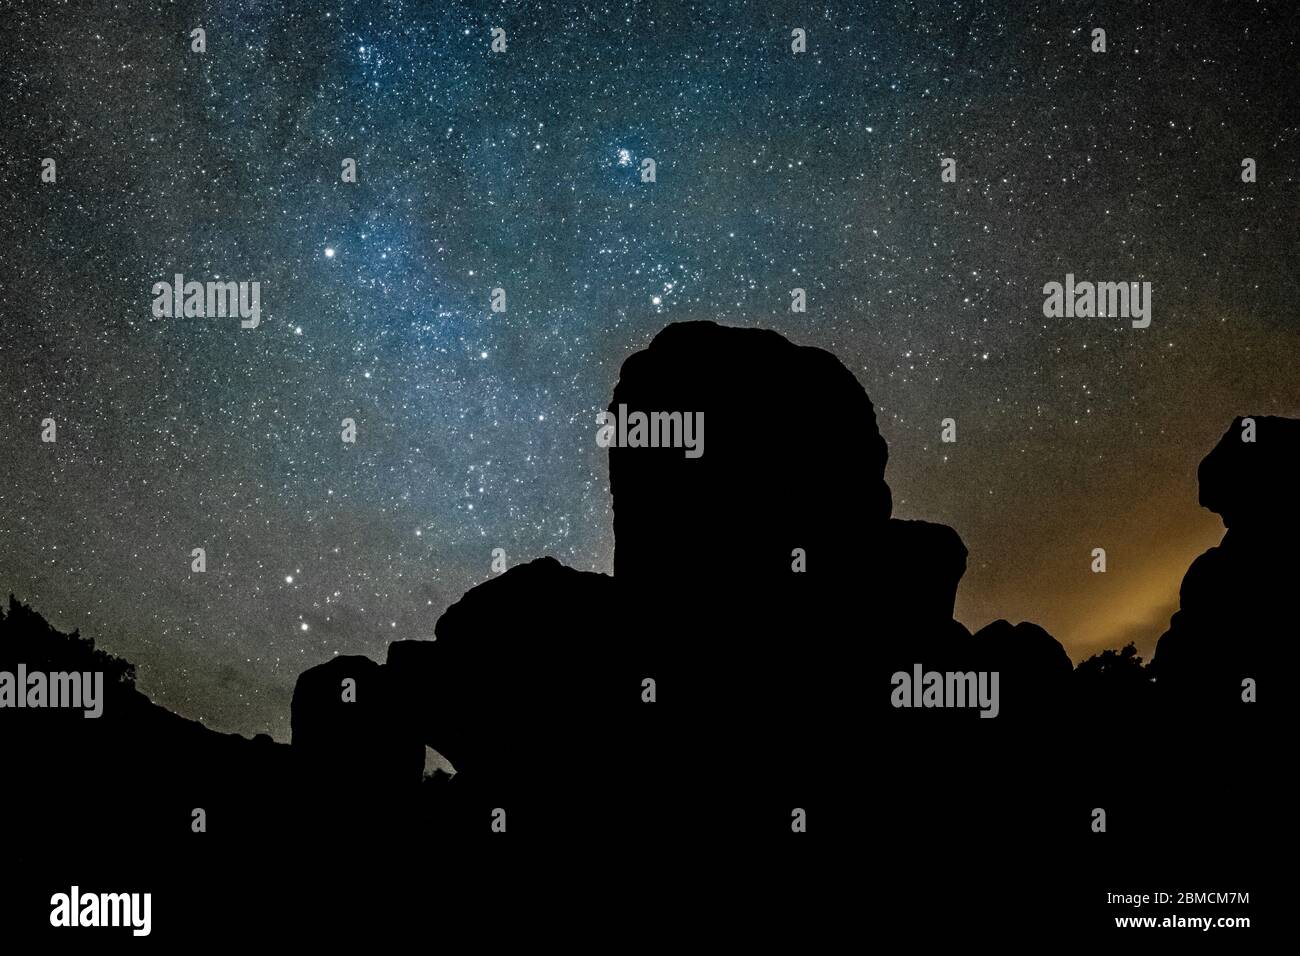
point(520, 169)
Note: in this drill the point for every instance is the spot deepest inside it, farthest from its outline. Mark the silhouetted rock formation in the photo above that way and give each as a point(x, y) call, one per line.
point(762, 586)
point(765, 598)
point(410, 666)
point(347, 730)
point(792, 459)
point(530, 695)
point(918, 566)
point(1236, 617)
point(1252, 484)
point(143, 768)
point(1033, 668)
point(754, 667)
point(923, 565)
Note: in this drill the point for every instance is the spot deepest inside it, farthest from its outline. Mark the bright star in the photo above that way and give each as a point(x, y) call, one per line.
point(329, 253)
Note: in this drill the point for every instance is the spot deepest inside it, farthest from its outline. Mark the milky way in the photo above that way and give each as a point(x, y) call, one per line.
point(522, 170)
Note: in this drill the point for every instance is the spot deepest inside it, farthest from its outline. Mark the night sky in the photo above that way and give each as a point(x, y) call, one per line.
point(521, 170)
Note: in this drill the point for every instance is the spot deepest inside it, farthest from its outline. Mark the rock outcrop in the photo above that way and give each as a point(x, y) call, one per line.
point(792, 458)
point(347, 729)
point(1235, 621)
